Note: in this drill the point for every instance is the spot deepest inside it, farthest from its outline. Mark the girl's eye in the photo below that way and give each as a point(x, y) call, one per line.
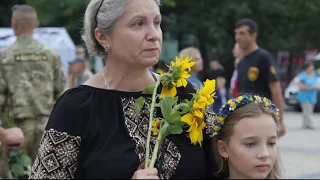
point(250, 144)
point(272, 143)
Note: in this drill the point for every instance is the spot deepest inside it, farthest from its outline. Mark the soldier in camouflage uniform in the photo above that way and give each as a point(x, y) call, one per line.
point(31, 79)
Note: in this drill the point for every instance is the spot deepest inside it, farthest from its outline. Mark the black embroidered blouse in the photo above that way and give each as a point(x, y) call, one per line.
point(96, 133)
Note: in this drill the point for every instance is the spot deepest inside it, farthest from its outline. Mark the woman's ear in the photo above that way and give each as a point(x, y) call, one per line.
point(102, 38)
point(222, 149)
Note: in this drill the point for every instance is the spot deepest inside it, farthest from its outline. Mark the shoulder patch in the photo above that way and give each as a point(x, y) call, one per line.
point(31, 57)
point(272, 69)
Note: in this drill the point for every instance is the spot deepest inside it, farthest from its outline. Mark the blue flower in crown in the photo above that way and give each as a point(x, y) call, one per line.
point(234, 103)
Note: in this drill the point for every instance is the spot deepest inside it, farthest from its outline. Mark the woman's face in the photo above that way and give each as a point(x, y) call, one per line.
point(137, 36)
point(252, 149)
point(310, 68)
point(197, 58)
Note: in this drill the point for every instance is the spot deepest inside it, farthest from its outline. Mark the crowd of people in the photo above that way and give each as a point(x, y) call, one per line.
point(90, 129)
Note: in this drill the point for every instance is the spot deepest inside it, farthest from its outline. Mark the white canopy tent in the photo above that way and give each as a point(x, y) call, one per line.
point(55, 37)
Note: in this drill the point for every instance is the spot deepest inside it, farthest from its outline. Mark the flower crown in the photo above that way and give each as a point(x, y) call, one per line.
point(233, 104)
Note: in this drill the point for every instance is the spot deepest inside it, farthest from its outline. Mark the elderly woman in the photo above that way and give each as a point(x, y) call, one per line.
point(94, 131)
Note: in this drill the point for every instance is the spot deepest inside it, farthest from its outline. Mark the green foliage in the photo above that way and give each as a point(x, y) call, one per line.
point(7, 119)
point(61, 13)
point(166, 104)
point(138, 105)
point(283, 24)
point(19, 161)
point(169, 3)
point(19, 165)
point(148, 90)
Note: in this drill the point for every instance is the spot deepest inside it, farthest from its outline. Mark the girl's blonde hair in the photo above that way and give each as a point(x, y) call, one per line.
point(248, 110)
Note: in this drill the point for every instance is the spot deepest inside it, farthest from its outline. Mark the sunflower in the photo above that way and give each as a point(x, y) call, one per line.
point(176, 76)
point(207, 91)
point(195, 119)
point(156, 127)
point(196, 126)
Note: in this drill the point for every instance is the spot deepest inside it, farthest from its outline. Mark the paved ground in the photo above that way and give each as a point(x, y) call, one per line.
point(300, 149)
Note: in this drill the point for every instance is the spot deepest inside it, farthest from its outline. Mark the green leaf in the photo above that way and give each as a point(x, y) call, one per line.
point(138, 104)
point(166, 104)
point(25, 160)
point(17, 170)
point(14, 153)
point(173, 118)
point(175, 129)
point(164, 131)
point(148, 90)
point(185, 107)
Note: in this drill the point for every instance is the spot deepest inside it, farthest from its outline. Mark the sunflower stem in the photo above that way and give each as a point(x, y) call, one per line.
point(147, 160)
point(155, 152)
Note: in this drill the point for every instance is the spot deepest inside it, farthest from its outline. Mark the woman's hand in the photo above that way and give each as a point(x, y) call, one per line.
point(149, 173)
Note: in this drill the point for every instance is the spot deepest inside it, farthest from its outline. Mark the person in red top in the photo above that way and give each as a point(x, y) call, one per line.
point(235, 91)
point(237, 54)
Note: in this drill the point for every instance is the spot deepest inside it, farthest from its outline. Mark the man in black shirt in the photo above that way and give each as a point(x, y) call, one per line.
point(257, 69)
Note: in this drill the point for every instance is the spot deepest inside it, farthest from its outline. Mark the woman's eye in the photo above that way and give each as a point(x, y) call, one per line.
point(157, 22)
point(140, 23)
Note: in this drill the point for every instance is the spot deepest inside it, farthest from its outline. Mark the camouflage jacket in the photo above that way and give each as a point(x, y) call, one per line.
point(31, 78)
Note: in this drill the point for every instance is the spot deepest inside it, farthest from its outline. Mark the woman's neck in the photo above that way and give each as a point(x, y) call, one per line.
point(123, 78)
point(193, 73)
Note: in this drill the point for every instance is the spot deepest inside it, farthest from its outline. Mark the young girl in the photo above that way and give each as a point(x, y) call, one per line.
point(245, 133)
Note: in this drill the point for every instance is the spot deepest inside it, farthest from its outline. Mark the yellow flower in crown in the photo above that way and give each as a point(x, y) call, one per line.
point(216, 128)
point(266, 102)
point(220, 119)
point(156, 127)
point(239, 99)
point(258, 98)
point(176, 76)
point(208, 90)
point(233, 105)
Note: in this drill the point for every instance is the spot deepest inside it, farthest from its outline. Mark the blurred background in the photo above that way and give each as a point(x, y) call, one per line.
point(288, 29)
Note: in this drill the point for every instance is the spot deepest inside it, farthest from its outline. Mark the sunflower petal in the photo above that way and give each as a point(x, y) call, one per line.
point(194, 133)
point(188, 118)
point(168, 92)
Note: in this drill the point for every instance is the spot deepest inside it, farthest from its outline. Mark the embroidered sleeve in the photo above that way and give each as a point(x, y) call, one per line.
point(209, 118)
point(57, 156)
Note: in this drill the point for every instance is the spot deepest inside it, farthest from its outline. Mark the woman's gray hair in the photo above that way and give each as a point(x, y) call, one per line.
point(104, 18)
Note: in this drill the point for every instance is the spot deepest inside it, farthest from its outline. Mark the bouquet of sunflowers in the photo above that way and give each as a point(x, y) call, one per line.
point(19, 162)
point(187, 115)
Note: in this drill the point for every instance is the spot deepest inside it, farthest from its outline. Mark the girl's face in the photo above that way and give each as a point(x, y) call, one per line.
point(252, 150)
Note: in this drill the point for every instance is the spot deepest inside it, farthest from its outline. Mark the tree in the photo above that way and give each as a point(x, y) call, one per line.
point(62, 13)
